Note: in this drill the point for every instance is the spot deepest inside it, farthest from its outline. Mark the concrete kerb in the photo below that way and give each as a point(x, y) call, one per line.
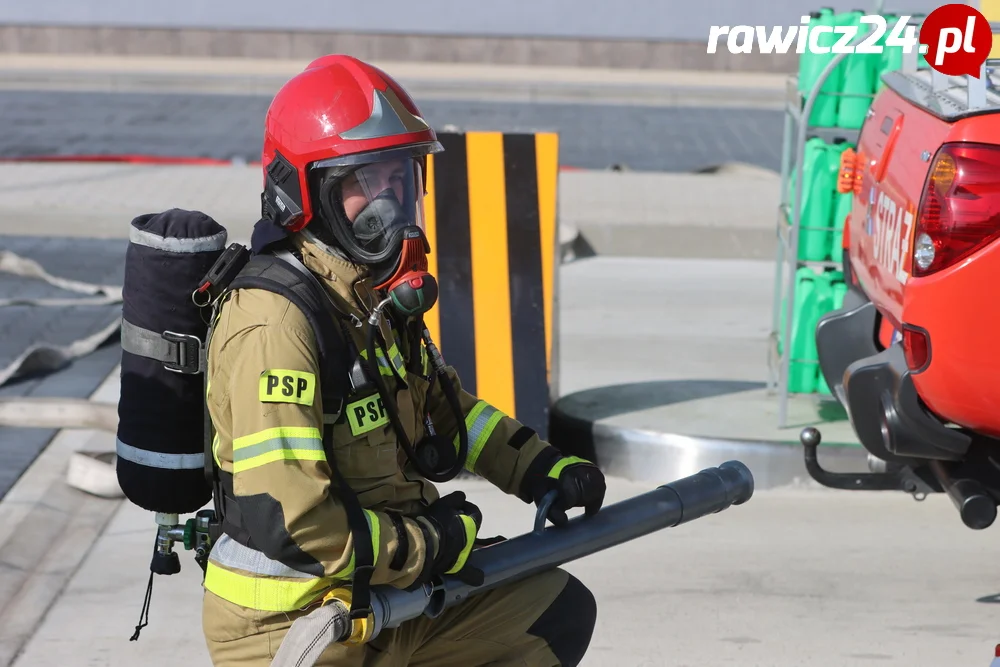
point(669, 429)
point(640, 455)
point(47, 529)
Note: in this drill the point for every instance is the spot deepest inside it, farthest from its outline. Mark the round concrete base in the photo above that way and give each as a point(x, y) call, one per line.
point(632, 434)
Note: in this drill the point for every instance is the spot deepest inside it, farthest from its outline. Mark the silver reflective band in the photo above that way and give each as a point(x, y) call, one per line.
point(386, 119)
point(478, 427)
point(172, 244)
point(144, 457)
point(230, 553)
point(479, 432)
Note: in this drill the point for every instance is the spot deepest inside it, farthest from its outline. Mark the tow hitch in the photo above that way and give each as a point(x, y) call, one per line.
point(893, 476)
point(963, 481)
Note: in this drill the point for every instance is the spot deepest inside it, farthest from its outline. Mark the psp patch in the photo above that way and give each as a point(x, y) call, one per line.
point(284, 386)
point(366, 414)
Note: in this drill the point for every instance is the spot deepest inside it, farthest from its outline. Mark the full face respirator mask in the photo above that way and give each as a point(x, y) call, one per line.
point(374, 214)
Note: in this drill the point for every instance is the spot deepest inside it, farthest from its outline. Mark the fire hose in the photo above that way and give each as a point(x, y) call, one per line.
point(707, 492)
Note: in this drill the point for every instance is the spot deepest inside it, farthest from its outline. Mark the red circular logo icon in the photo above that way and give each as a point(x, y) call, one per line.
point(958, 39)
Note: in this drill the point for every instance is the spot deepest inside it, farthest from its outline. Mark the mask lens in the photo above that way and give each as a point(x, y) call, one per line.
point(381, 199)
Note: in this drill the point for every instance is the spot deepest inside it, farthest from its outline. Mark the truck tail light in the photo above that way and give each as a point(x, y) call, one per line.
point(916, 347)
point(960, 206)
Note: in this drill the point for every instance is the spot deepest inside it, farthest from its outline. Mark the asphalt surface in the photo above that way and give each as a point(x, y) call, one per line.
point(592, 136)
point(87, 260)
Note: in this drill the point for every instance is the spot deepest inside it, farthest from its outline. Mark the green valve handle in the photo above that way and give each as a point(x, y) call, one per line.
point(189, 534)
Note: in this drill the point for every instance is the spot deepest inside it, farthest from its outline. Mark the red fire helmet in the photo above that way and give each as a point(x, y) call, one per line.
point(339, 111)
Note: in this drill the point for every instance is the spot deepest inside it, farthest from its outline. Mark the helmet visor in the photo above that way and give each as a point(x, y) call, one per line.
point(380, 200)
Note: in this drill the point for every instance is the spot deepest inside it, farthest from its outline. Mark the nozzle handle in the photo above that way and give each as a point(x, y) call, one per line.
point(548, 500)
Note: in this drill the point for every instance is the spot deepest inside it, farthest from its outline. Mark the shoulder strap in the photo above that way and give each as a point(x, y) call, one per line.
point(270, 273)
point(287, 277)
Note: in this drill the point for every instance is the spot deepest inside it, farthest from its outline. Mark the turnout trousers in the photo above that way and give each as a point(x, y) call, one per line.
point(546, 620)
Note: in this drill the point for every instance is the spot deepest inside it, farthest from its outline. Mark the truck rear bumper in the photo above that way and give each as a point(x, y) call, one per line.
point(889, 418)
point(877, 390)
point(844, 336)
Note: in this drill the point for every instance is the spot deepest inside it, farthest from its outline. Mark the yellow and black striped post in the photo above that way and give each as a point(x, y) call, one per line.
point(491, 223)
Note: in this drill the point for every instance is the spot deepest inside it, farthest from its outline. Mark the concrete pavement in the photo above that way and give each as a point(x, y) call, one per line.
point(724, 215)
point(46, 531)
point(791, 579)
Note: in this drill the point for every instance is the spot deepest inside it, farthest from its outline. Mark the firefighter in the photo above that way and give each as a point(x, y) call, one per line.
point(344, 162)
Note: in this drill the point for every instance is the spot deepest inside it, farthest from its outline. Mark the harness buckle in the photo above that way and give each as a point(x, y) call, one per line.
point(188, 353)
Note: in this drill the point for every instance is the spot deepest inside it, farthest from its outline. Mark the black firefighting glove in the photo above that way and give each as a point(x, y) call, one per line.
point(578, 482)
point(456, 523)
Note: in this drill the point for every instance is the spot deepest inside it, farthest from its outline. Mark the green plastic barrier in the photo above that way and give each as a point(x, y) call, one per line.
point(812, 299)
point(809, 67)
point(818, 185)
point(832, 285)
point(839, 291)
point(857, 79)
point(824, 111)
point(800, 379)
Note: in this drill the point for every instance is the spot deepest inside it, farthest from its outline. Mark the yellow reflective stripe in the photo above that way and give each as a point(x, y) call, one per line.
point(276, 432)
point(562, 463)
point(480, 424)
point(281, 443)
point(273, 594)
point(376, 529)
point(263, 594)
point(215, 450)
point(346, 572)
point(470, 539)
point(383, 366)
point(278, 455)
point(397, 360)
